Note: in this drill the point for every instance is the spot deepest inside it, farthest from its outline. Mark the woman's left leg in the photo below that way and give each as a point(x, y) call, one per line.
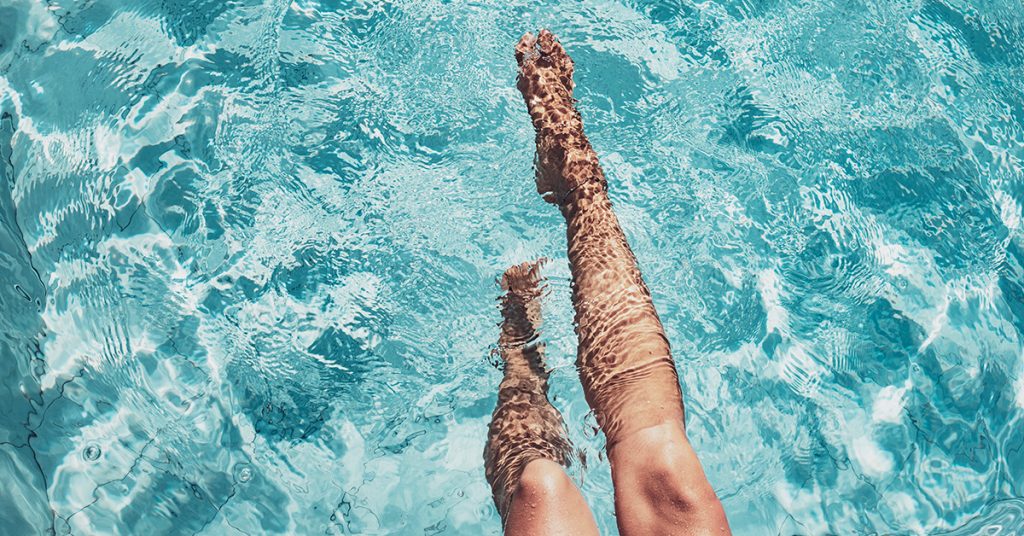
point(527, 448)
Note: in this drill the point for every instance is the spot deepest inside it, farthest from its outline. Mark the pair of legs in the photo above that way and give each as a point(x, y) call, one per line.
point(624, 361)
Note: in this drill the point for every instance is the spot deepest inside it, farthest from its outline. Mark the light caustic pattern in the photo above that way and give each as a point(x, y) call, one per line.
point(248, 256)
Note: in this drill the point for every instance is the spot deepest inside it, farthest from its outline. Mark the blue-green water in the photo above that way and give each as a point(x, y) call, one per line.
point(248, 251)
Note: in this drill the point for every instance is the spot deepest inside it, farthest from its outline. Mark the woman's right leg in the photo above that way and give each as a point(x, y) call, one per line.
point(626, 368)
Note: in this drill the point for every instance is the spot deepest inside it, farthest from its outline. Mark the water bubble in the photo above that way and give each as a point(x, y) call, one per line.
point(243, 473)
point(92, 452)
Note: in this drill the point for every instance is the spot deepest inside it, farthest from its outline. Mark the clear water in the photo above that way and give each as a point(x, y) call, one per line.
point(248, 254)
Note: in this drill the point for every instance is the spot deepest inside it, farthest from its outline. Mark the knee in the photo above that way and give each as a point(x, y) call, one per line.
point(543, 480)
point(672, 480)
point(663, 471)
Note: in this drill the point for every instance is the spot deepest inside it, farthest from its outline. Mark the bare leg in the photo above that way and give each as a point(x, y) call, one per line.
point(526, 445)
point(625, 365)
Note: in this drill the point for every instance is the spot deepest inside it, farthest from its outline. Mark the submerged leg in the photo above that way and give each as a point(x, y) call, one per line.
point(627, 371)
point(526, 445)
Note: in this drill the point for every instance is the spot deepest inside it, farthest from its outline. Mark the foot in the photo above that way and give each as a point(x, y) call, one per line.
point(545, 75)
point(565, 160)
point(520, 306)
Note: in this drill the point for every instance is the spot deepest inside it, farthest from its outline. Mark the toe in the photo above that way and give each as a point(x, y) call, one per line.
point(525, 48)
point(533, 268)
point(523, 276)
point(551, 50)
point(546, 42)
point(550, 47)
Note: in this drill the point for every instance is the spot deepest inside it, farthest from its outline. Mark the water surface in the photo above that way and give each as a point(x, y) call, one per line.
point(248, 252)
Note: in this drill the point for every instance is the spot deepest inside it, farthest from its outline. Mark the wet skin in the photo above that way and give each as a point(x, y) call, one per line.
point(625, 363)
point(527, 445)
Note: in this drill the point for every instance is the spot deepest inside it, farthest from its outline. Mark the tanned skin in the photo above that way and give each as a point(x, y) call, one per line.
point(526, 444)
point(625, 364)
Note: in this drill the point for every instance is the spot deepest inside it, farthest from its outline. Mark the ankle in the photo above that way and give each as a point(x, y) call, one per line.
point(582, 196)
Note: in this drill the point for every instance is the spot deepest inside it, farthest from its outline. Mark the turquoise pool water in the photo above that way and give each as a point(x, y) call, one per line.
point(248, 252)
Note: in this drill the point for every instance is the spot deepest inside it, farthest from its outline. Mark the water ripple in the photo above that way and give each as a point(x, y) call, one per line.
point(248, 253)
